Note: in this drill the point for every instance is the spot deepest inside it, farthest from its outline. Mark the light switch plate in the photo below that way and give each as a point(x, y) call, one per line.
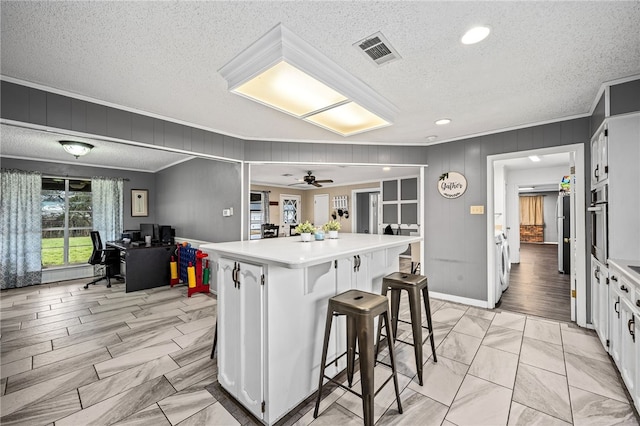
point(477, 210)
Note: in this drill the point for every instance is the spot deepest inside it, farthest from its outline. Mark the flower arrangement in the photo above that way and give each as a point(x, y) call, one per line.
point(305, 228)
point(332, 225)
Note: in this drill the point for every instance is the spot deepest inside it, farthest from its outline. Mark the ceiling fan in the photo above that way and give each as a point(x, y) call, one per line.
point(311, 180)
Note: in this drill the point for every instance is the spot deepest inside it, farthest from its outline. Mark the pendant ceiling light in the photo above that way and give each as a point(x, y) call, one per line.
point(284, 72)
point(77, 149)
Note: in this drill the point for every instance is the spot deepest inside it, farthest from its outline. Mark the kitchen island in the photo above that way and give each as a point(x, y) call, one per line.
point(272, 302)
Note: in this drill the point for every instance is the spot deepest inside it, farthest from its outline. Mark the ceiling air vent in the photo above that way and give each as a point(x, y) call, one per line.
point(377, 48)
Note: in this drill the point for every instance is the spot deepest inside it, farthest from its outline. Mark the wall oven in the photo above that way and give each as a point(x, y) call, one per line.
point(599, 223)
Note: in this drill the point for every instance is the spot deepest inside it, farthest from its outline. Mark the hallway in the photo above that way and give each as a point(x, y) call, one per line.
point(535, 285)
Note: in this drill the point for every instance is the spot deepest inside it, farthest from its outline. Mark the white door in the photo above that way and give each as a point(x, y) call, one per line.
point(320, 209)
point(290, 212)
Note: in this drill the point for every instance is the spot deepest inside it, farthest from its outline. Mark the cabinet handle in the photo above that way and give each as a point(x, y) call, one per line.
point(630, 324)
point(596, 274)
point(614, 278)
point(638, 303)
point(359, 262)
point(356, 263)
point(623, 288)
point(615, 307)
point(596, 172)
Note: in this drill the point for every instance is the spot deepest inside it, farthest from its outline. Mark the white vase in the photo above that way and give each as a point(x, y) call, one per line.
point(333, 235)
point(305, 236)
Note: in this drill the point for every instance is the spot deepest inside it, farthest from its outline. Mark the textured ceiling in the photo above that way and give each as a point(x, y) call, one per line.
point(543, 60)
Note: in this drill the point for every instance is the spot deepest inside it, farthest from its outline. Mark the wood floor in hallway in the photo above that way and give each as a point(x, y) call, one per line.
point(535, 285)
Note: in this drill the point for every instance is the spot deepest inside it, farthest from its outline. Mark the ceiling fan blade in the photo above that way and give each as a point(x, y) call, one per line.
point(316, 184)
point(298, 183)
point(325, 181)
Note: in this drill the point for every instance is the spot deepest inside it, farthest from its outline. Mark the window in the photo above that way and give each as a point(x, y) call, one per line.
point(66, 221)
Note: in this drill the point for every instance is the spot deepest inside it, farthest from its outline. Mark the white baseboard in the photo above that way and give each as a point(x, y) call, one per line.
point(458, 299)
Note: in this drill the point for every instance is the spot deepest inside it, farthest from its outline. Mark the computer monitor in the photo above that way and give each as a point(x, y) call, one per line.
point(146, 229)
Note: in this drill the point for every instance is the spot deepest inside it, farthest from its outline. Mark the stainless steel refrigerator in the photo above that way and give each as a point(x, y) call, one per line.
point(564, 233)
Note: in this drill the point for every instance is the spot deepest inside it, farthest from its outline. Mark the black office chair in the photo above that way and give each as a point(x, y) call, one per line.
point(101, 256)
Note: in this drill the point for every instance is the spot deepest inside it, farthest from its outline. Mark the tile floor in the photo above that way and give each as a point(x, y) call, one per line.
point(71, 356)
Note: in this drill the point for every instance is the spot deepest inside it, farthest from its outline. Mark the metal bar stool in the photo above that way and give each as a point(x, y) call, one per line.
point(360, 308)
point(413, 284)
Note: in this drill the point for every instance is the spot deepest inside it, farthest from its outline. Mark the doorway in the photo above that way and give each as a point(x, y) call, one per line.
point(505, 184)
point(366, 215)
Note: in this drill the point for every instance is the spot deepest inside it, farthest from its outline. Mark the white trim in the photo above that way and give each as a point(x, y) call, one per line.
point(578, 267)
point(458, 299)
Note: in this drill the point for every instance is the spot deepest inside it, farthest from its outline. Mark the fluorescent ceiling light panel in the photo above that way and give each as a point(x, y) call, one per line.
point(284, 72)
point(525, 188)
point(347, 119)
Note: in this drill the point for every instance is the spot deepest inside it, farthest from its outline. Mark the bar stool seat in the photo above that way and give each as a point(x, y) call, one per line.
point(413, 285)
point(360, 309)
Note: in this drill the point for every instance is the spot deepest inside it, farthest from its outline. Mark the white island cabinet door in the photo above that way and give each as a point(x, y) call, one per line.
point(241, 350)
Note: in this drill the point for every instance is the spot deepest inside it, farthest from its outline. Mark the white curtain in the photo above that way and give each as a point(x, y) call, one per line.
point(107, 206)
point(21, 228)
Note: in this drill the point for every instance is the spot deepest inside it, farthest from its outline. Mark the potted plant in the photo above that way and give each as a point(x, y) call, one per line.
point(305, 230)
point(332, 227)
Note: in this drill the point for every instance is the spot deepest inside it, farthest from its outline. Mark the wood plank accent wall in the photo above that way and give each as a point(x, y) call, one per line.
point(29, 105)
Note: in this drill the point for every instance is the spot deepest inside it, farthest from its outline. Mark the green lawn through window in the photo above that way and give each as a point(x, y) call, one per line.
point(80, 249)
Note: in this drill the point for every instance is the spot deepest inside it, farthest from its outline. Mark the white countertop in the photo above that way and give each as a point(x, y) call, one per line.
point(623, 265)
point(291, 252)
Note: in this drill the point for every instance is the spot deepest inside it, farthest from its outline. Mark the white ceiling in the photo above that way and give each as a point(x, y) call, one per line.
point(543, 60)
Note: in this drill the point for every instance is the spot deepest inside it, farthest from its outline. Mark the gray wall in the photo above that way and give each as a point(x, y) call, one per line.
point(191, 196)
point(455, 242)
point(25, 104)
point(137, 180)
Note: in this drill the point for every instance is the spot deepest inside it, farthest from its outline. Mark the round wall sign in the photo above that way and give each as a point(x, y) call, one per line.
point(452, 184)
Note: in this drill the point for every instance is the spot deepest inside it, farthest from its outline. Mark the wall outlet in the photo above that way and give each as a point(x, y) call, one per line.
point(477, 210)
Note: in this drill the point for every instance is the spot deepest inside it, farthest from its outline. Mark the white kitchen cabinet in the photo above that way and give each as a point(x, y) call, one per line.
point(628, 346)
point(600, 301)
point(615, 325)
point(271, 334)
point(599, 156)
point(240, 334)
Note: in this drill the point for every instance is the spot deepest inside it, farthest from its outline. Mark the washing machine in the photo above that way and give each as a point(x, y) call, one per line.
point(503, 264)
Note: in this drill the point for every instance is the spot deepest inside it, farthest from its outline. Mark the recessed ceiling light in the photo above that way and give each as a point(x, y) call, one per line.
point(443, 121)
point(431, 138)
point(534, 158)
point(386, 169)
point(287, 174)
point(475, 35)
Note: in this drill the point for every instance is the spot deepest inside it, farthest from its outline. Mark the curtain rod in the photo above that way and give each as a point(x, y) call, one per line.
point(76, 177)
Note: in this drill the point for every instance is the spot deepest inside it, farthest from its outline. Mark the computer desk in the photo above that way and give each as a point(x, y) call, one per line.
point(144, 266)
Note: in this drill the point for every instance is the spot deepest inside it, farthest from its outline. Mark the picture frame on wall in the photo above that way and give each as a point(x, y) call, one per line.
point(139, 202)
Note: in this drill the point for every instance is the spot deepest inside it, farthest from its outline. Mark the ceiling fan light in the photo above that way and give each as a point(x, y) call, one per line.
point(77, 149)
